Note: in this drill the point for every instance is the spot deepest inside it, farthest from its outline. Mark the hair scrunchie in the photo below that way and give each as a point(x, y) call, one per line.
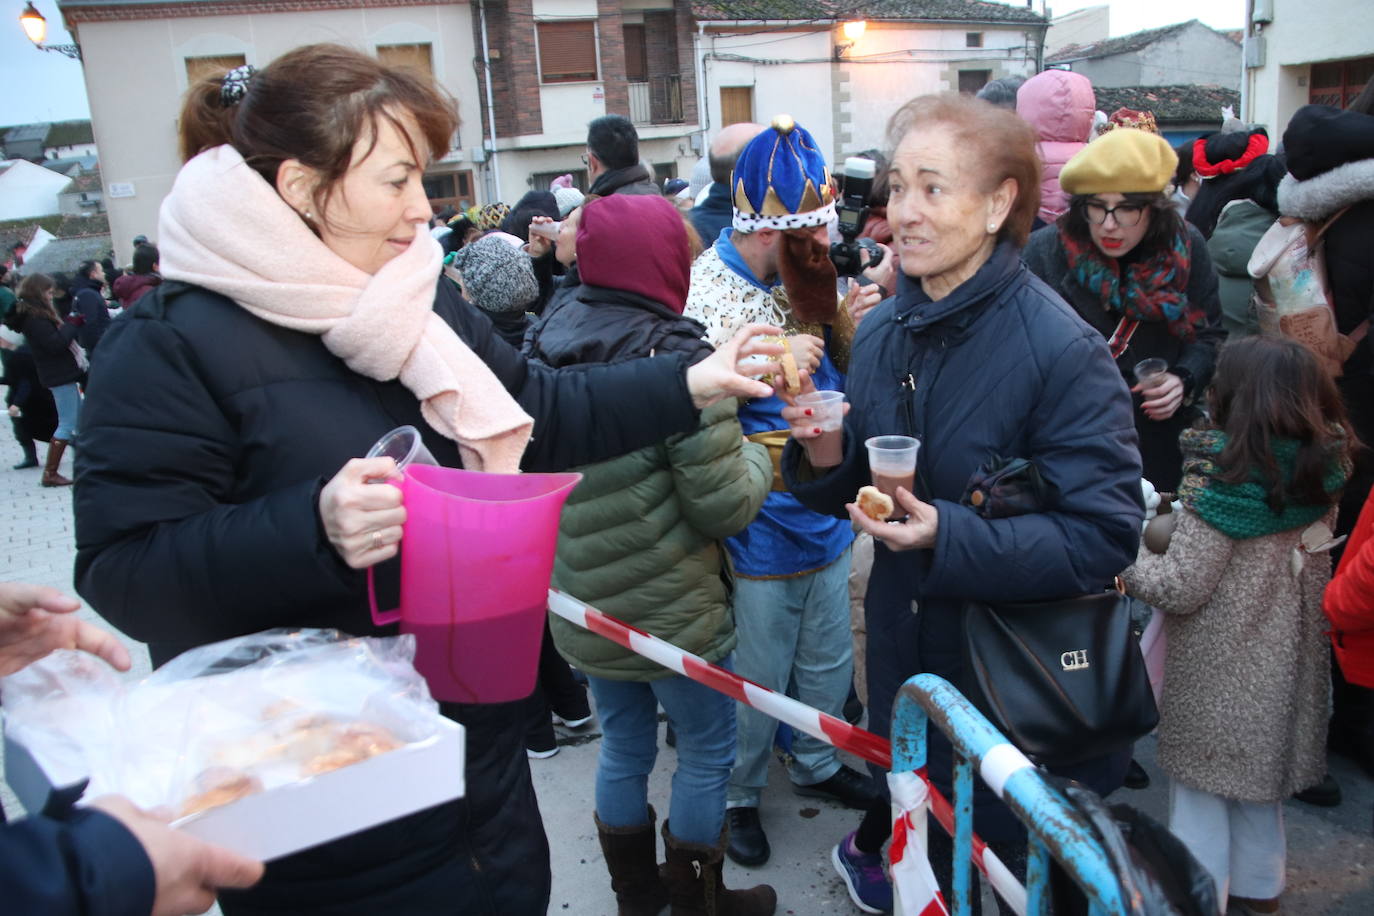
point(233, 86)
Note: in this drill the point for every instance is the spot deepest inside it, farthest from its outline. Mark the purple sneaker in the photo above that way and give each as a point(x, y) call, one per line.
point(863, 876)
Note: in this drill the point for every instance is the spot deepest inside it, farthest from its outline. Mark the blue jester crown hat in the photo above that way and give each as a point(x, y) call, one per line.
point(781, 181)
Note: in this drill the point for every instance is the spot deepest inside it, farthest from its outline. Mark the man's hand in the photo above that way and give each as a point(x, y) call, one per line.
point(806, 350)
point(1162, 400)
point(918, 530)
point(187, 870)
point(885, 274)
point(35, 620)
point(861, 299)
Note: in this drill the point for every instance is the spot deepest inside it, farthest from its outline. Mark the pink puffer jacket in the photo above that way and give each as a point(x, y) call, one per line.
point(1059, 104)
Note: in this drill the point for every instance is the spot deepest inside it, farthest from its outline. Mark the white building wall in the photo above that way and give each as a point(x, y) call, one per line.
point(1303, 32)
point(916, 61)
point(791, 76)
point(136, 77)
point(1080, 27)
point(28, 190)
point(1197, 56)
point(63, 152)
point(846, 103)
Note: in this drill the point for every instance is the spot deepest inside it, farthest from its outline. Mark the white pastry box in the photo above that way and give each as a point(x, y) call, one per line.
point(277, 727)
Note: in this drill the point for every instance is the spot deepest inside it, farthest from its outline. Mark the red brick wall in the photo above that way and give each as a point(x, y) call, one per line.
point(515, 75)
point(611, 31)
point(686, 61)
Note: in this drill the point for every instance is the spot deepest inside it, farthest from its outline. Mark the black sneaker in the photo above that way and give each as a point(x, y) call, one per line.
point(853, 710)
point(848, 786)
point(540, 740)
point(573, 710)
point(1136, 777)
point(748, 843)
point(1325, 794)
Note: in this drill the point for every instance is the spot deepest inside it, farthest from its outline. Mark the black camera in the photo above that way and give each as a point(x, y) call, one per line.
point(852, 210)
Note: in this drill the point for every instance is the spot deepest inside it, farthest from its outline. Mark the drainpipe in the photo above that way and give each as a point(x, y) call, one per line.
point(703, 120)
point(495, 166)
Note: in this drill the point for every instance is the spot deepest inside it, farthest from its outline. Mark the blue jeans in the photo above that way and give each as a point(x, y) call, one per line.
point(793, 639)
point(68, 400)
point(704, 721)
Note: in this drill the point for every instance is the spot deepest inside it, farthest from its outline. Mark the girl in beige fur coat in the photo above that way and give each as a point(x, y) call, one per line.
point(1243, 719)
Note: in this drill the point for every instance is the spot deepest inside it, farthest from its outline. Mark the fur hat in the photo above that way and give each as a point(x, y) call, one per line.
point(497, 276)
point(569, 199)
point(1124, 161)
point(780, 180)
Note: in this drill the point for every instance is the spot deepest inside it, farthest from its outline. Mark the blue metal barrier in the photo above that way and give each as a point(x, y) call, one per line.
point(1056, 830)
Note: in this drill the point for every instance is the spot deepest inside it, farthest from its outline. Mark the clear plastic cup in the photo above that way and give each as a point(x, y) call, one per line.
point(1148, 371)
point(892, 462)
point(827, 409)
point(404, 446)
point(547, 230)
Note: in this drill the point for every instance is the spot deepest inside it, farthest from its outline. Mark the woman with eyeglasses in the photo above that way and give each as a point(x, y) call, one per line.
point(1134, 270)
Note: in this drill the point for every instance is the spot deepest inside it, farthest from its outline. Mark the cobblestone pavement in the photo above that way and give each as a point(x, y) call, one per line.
point(1331, 851)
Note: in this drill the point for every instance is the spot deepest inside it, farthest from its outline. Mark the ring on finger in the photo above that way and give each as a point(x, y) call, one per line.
point(376, 539)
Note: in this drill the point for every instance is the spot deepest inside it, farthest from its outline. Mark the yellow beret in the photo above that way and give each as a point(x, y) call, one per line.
point(1124, 161)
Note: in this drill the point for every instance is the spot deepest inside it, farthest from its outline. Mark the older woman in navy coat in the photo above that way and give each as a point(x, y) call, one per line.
point(978, 359)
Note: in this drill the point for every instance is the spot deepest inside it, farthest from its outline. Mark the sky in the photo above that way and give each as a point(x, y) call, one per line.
point(39, 85)
point(46, 86)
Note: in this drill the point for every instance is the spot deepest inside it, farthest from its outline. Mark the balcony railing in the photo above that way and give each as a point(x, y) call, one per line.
point(657, 100)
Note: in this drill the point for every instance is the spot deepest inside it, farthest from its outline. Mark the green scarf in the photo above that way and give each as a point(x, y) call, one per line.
point(1240, 510)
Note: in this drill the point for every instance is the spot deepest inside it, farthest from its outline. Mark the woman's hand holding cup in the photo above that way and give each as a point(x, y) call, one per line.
point(363, 522)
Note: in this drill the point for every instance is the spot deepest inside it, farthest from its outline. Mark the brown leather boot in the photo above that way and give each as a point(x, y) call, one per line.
point(696, 887)
point(632, 859)
point(50, 476)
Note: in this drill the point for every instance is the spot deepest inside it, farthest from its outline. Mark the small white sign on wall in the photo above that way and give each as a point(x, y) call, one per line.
point(598, 95)
point(122, 189)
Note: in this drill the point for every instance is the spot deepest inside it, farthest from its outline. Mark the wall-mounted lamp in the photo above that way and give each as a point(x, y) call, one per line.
point(853, 30)
point(36, 27)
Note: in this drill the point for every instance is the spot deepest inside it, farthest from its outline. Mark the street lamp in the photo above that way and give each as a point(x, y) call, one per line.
point(36, 27)
point(852, 30)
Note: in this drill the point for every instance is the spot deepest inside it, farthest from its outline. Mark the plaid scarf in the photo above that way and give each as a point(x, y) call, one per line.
point(1152, 289)
point(1241, 510)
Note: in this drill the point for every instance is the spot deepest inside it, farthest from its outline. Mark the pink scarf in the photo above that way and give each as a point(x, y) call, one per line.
point(224, 228)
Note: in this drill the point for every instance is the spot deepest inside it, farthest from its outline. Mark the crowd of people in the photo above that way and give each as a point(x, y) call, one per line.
point(1030, 258)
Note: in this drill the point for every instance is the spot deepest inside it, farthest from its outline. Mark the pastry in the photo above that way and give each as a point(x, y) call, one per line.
point(220, 786)
point(791, 378)
point(874, 503)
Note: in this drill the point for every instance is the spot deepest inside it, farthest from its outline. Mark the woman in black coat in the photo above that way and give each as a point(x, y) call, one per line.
point(52, 342)
point(219, 491)
point(33, 414)
point(979, 360)
point(1135, 271)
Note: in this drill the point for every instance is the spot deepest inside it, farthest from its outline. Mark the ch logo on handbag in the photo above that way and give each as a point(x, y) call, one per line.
point(1074, 660)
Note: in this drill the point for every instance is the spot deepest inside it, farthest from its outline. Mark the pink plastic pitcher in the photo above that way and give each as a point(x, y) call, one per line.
point(476, 557)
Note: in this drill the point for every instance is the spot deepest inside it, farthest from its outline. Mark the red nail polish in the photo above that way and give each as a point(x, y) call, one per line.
point(808, 411)
point(817, 430)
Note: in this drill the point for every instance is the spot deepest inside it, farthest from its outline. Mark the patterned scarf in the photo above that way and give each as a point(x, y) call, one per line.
point(1241, 510)
point(1153, 289)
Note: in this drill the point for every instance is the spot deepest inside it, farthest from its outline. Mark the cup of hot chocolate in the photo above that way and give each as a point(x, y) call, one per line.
point(827, 409)
point(892, 461)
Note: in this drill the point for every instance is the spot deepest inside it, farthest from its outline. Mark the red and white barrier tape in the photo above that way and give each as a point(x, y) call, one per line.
point(827, 728)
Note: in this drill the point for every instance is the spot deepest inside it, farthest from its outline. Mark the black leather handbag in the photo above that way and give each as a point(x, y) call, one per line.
point(1063, 680)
